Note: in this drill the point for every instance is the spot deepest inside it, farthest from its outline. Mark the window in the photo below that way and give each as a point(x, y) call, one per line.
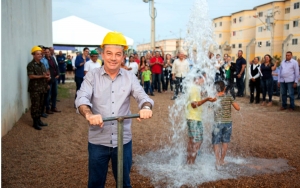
point(233, 33)
point(240, 19)
point(240, 45)
point(233, 59)
point(294, 41)
point(268, 28)
point(268, 43)
point(215, 24)
point(233, 46)
point(287, 26)
point(260, 29)
point(287, 10)
point(220, 23)
point(295, 23)
point(220, 47)
point(260, 14)
point(234, 20)
point(259, 44)
point(296, 5)
point(220, 35)
point(295, 57)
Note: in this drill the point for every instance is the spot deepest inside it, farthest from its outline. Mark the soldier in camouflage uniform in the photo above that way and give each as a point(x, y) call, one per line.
point(37, 86)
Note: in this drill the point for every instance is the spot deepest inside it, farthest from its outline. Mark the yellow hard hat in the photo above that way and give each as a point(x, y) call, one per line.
point(115, 38)
point(36, 48)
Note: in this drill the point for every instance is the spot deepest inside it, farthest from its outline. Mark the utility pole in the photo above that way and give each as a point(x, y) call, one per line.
point(152, 16)
point(152, 25)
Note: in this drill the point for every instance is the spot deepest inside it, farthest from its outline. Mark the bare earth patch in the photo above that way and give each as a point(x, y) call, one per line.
point(57, 156)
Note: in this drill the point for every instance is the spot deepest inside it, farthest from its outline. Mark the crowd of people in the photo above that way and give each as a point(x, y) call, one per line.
point(101, 92)
point(266, 76)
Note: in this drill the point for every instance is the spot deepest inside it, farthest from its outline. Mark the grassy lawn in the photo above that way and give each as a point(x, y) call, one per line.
point(63, 90)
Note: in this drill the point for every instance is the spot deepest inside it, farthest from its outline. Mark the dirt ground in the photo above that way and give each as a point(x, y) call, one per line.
point(57, 155)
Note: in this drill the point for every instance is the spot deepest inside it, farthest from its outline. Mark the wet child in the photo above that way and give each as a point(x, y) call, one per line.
point(146, 80)
point(223, 123)
point(193, 116)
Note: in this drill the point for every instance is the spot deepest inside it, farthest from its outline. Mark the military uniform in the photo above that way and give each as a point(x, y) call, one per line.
point(36, 88)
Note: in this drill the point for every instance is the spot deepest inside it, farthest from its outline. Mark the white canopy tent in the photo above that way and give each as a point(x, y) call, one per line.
point(74, 31)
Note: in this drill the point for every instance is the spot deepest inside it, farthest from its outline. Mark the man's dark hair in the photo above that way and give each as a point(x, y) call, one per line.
point(241, 51)
point(257, 58)
point(289, 52)
point(85, 48)
point(220, 86)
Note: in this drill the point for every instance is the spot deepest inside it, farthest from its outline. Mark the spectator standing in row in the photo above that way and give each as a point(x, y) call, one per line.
point(54, 72)
point(47, 94)
point(133, 66)
point(266, 69)
point(60, 58)
point(254, 80)
point(230, 72)
point(180, 69)
point(288, 76)
point(37, 86)
point(79, 64)
point(92, 63)
point(69, 66)
point(240, 71)
point(146, 80)
point(136, 58)
point(142, 66)
point(168, 72)
point(298, 85)
point(156, 64)
point(275, 78)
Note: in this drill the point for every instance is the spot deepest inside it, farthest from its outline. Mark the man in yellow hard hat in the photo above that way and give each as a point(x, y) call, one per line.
point(37, 86)
point(106, 92)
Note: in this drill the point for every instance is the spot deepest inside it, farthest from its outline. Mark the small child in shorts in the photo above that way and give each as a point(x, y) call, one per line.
point(193, 115)
point(223, 123)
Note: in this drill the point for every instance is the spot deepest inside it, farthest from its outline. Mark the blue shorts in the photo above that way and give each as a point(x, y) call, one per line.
point(221, 133)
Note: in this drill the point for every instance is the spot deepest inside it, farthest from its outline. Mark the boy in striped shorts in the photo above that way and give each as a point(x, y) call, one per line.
point(193, 116)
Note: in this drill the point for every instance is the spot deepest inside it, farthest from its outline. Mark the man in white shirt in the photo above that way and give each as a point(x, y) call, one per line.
point(254, 76)
point(133, 66)
point(180, 69)
point(92, 63)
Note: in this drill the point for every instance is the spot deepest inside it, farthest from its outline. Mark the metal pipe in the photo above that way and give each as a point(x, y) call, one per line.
point(120, 120)
point(120, 153)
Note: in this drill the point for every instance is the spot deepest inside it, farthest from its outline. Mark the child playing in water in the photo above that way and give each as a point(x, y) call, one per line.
point(223, 123)
point(193, 115)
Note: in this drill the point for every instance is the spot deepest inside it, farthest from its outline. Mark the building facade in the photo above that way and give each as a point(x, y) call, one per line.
point(272, 28)
point(24, 24)
point(171, 46)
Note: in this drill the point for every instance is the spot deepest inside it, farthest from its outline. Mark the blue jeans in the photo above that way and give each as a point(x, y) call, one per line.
point(178, 85)
point(99, 157)
point(275, 87)
point(53, 93)
point(47, 98)
point(147, 87)
point(267, 86)
point(240, 85)
point(284, 87)
point(156, 79)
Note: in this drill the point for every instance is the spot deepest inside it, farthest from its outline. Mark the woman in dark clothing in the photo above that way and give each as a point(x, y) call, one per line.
point(168, 72)
point(266, 69)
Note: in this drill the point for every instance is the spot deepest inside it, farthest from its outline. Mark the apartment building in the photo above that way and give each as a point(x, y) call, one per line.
point(171, 46)
point(272, 28)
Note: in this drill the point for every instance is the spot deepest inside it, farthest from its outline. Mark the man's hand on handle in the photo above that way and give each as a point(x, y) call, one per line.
point(145, 114)
point(94, 119)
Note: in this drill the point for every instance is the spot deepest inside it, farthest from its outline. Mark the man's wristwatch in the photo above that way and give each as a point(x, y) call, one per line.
point(146, 107)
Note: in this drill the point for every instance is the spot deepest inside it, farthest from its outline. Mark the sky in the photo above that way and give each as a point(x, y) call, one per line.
point(131, 17)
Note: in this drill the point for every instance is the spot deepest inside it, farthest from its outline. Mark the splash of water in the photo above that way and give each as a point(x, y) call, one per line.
point(168, 165)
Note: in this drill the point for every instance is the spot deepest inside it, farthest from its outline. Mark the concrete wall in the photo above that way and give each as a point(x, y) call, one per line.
point(24, 24)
